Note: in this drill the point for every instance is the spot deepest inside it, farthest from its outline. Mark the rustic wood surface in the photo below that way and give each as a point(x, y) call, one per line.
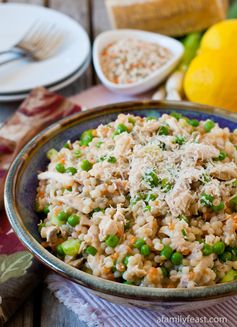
point(42, 309)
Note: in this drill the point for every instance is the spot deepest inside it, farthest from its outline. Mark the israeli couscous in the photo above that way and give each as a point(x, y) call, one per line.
point(144, 201)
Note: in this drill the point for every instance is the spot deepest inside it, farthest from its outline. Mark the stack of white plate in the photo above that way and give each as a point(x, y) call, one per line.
point(18, 78)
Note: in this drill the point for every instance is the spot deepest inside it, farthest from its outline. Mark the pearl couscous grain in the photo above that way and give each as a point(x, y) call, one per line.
point(129, 60)
point(155, 204)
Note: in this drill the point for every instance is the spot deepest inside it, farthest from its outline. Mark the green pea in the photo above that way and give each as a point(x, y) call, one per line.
point(207, 249)
point(91, 250)
point(233, 203)
point(222, 156)
point(46, 209)
point(121, 128)
point(206, 199)
point(131, 120)
point(165, 271)
point(166, 251)
point(219, 247)
point(151, 179)
point(73, 220)
point(62, 216)
point(180, 140)
point(226, 256)
point(60, 168)
point(219, 207)
point(145, 250)
point(139, 243)
point(77, 154)
point(112, 241)
point(51, 153)
point(208, 125)
point(86, 137)
point(71, 170)
point(164, 130)
point(125, 261)
point(177, 258)
point(193, 122)
point(59, 250)
point(86, 165)
point(112, 159)
point(71, 247)
point(176, 115)
point(128, 283)
point(230, 276)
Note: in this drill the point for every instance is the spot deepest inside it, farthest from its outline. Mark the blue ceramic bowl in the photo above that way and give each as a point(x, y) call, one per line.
point(20, 192)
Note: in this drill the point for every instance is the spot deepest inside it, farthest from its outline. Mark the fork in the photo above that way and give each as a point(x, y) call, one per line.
point(39, 43)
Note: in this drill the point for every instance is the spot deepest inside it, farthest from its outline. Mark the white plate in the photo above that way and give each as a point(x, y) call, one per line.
point(22, 75)
point(54, 87)
point(156, 77)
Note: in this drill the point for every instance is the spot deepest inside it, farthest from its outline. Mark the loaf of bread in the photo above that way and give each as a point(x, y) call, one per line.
point(170, 17)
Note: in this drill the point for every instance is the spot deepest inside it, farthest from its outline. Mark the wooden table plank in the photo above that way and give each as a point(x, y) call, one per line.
point(80, 11)
point(35, 2)
point(56, 314)
point(100, 22)
point(24, 316)
point(100, 18)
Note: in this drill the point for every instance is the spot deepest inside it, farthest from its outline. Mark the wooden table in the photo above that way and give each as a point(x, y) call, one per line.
point(43, 309)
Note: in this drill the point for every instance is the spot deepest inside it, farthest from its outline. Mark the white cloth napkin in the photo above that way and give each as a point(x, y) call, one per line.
point(97, 312)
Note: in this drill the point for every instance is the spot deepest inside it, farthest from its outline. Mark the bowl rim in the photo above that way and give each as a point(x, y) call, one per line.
point(89, 281)
point(176, 56)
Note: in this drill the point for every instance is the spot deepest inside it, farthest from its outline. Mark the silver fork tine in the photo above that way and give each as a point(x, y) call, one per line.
point(52, 38)
point(43, 38)
point(48, 44)
point(33, 38)
point(31, 34)
point(40, 42)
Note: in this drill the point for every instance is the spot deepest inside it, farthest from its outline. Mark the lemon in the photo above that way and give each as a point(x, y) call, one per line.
point(219, 36)
point(211, 79)
point(212, 76)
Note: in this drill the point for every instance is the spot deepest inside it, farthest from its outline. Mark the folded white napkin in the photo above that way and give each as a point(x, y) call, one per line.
point(97, 312)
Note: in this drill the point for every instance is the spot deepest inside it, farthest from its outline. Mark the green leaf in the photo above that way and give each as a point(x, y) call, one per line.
point(14, 265)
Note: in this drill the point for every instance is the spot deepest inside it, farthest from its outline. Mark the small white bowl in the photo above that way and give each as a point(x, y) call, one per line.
point(147, 83)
